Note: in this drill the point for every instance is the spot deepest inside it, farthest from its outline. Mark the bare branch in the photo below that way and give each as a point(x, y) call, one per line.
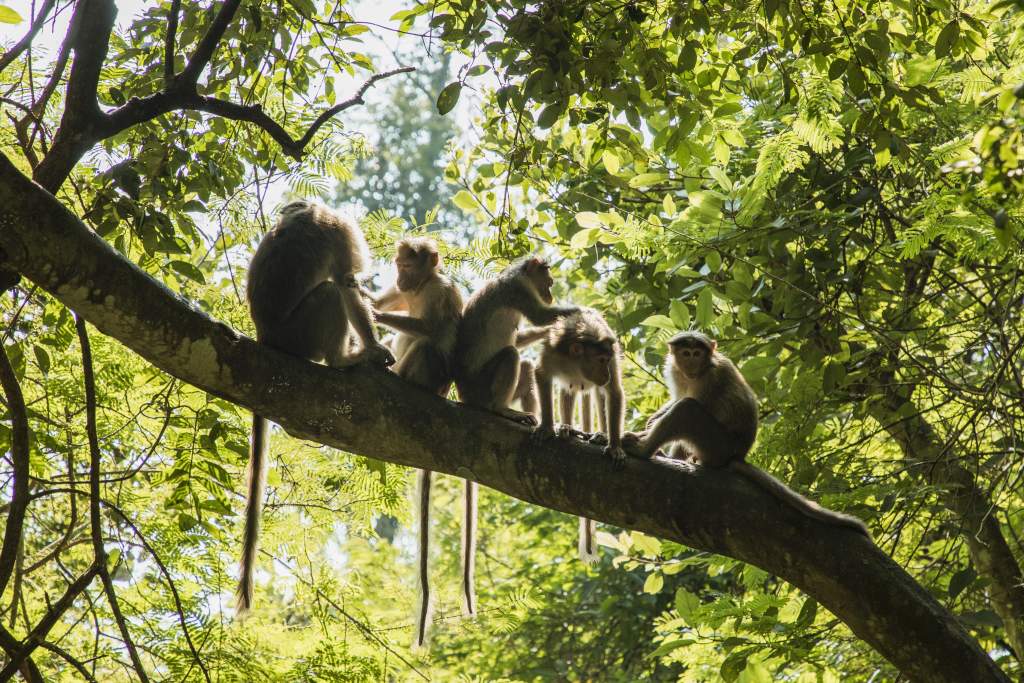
point(20, 462)
point(22, 45)
point(94, 498)
point(351, 102)
point(10, 645)
point(204, 52)
point(172, 30)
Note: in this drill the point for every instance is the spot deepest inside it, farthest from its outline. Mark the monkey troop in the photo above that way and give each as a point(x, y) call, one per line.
point(303, 296)
point(706, 386)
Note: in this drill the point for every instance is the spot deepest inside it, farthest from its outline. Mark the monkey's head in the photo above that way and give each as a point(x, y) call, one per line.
point(538, 273)
point(691, 352)
point(594, 359)
point(416, 259)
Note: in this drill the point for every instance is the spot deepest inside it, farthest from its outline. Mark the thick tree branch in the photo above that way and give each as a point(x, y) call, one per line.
point(172, 32)
point(20, 461)
point(22, 45)
point(372, 412)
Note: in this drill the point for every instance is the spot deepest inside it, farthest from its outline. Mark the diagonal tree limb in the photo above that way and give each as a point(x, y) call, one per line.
point(189, 76)
point(20, 460)
point(30, 672)
point(96, 521)
point(372, 412)
point(169, 49)
point(33, 29)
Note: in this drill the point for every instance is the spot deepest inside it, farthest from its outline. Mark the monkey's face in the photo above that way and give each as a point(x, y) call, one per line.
point(414, 268)
point(539, 273)
point(693, 360)
point(595, 361)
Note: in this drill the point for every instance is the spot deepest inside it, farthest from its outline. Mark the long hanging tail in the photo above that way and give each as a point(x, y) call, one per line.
point(791, 497)
point(588, 527)
point(469, 550)
point(256, 477)
point(424, 606)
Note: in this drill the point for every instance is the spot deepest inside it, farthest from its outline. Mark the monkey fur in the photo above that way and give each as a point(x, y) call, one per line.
point(704, 383)
point(302, 297)
point(424, 346)
point(488, 371)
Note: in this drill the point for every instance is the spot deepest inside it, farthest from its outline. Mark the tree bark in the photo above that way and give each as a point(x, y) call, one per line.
point(372, 412)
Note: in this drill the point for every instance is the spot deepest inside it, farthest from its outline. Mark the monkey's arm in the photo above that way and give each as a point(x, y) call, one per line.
point(390, 300)
point(529, 335)
point(404, 323)
point(525, 299)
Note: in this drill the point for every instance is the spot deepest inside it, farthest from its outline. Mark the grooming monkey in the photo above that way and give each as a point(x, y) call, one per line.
point(706, 385)
point(488, 370)
point(302, 297)
point(424, 346)
point(582, 353)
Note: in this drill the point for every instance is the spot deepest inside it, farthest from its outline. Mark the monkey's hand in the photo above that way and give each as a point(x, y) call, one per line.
point(598, 439)
point(568, 432)
point(616, 453)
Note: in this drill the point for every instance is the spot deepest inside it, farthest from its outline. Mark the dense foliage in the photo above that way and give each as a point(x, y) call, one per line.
point(831, 189)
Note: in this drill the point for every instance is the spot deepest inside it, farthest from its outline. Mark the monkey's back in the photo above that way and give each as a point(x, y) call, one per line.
point(308, 245)
point(732, 401)
point(488, 324)
point(438, 300)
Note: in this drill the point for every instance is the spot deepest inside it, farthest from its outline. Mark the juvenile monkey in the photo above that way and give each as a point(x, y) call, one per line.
point(302, 297)
point(424, 346)
point(705, 385)
point(582, 353)
point(488, 370)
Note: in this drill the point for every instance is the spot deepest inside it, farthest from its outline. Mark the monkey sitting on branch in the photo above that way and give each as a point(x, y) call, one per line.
point(303, 297)
point(424, 345)
point(582, 353)
point(488, 370)
point(706, 386)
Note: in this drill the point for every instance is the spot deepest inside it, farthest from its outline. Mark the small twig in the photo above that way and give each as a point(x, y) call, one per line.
point(22, 45)
point(172, 30)
point(204, 52)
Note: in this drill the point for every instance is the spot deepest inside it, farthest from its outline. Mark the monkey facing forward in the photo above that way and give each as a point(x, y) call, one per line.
point(705, 384)
point(582, 353)
point(424, 346)
point(303, 297)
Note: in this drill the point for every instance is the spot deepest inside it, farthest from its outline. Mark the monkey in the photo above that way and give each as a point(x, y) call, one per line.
point(488, 371)
point(706, 386)
point(490, 374)
point(582, 353)
point(424, 346)
point(303, 296)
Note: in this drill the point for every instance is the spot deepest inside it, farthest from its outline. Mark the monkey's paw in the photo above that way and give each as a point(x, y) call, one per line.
point(542, 432)
point(598, 439)
point(518, 416)
point(632, 443)
point(379, 354)
point(568, 432)
point(616, 453)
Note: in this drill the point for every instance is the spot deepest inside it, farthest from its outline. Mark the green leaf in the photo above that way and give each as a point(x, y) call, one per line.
point(686, 603)
point(550, 114)
point(680, 314)
point(465, 200)
point(646, 544)
point(611, 162)
point(662, 322)
point(669, 646)
point(720, 177)
point(588, 219)
point(654, 583)
point(834, 376)
point(668, 205)
point(807, 613)
point(961, 580)
point(734, 665)
point(705, 308)
point(189, 271)
point(9, 16)
point(714, 261)
point(42, 359)
point(647, 179)
point(947, 38)
point(587, 237)
point(449, 97)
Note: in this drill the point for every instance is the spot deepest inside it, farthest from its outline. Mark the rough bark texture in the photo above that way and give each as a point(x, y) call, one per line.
point(357, 410)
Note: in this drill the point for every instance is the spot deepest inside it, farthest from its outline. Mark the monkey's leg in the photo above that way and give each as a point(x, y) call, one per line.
point(358, 313)
point(526, 387)
point(425, 366)
point(600, 437)
point(687, 420)
point(501, 375)
point(314, 326)
point(547, 409)
point(566, 408)
point(588, 527)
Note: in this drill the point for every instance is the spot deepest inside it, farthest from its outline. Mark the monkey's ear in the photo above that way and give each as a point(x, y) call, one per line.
point(575, 349)
point(435, 259)
point(714, 345)
point(533, 264)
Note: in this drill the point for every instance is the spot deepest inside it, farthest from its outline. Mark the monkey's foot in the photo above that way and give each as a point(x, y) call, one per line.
point(517, 416)
point(633, 444)
point(568, 432)
point(543, 431)
point(378, 354)
point(616, 453)
point(598, 439)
